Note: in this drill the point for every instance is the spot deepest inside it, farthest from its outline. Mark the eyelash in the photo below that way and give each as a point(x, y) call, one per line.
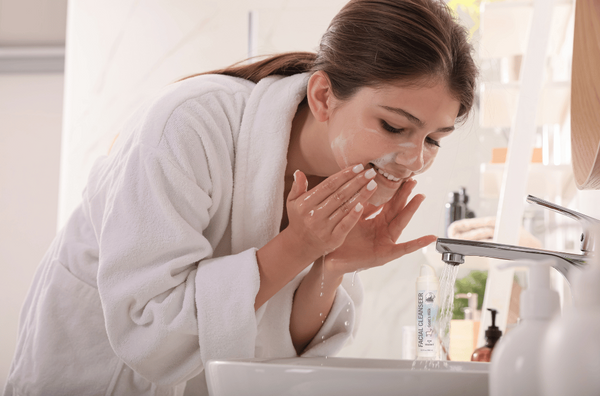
point(391, 129)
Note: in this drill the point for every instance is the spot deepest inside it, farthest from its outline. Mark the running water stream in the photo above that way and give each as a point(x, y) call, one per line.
point(446, 298)
point(442, 323)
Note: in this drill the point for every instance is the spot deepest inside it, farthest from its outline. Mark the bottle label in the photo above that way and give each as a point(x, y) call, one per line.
point(427, 309)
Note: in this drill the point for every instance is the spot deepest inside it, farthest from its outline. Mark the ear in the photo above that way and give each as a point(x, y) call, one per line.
point(319, 96)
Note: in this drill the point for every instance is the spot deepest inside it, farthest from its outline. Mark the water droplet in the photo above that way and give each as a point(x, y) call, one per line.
point(346, 323)
point(321, 314)
point(321, 295)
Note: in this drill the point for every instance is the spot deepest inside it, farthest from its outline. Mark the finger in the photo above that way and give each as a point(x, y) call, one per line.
point(347, 223)
point(372, 210)
point(405, 248)
point(403, 218)
point(299, 187)
point(333, 183)
point(346, 195)
point(361, 197)
point(398, 201)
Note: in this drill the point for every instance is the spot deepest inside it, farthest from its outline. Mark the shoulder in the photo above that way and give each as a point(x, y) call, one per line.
point(216, 99)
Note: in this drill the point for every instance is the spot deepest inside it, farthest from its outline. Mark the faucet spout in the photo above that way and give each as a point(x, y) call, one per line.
point(454, 250)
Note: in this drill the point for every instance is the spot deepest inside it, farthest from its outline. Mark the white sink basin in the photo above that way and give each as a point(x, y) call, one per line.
point(344, 377)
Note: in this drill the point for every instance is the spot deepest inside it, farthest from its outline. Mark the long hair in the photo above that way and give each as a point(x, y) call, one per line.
point(373, 42)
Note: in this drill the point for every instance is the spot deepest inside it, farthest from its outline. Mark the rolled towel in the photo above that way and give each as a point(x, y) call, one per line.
point(482, 229)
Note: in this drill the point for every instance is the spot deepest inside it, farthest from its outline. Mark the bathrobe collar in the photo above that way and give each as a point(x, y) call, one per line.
point(261, 159)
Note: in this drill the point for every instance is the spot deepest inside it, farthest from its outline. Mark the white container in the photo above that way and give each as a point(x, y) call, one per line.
point(515, 364)
point(427, 312)
point(571, 352)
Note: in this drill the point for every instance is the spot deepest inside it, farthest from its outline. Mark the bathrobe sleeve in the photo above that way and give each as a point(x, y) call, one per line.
point(159, 210)
point(339, 326)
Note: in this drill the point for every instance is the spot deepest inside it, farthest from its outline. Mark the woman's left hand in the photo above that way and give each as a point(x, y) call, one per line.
point(372, 242)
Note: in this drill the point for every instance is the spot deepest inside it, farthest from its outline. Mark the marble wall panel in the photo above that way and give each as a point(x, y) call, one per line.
point(121, 52)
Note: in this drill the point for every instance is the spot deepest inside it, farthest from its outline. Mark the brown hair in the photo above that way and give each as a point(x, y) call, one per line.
point(373, 42)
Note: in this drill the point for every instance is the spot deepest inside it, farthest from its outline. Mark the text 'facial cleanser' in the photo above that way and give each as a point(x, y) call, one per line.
point(427, 311)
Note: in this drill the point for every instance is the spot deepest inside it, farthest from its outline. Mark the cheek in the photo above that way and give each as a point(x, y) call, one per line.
point(428, 158)
point(357, 144)
point(340, 146)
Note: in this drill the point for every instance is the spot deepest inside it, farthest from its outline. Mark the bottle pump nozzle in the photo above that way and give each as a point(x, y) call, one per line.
point(493, 333)
point(494, 312)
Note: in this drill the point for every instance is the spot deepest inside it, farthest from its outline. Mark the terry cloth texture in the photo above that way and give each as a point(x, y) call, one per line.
point(155, 272)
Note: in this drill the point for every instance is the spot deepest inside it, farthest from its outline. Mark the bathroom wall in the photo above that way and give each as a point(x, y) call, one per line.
point(30, 131)
point(123, 51)
point(32, 37)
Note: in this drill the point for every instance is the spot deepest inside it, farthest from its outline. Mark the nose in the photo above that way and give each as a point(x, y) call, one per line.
point(410, 156)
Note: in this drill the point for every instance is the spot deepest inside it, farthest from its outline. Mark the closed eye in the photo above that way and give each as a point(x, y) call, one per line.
point(432, 142)
point(391, 129)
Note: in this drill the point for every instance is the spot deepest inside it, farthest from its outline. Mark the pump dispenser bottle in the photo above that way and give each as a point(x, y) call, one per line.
point(571, 352)
point(492, 335)
point(515, 364)
point(427, 310)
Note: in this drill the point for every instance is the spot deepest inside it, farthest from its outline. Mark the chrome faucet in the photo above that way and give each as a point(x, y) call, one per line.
point(454, 250)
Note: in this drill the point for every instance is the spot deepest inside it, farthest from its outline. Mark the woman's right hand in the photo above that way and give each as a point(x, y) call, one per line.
point(320, 219)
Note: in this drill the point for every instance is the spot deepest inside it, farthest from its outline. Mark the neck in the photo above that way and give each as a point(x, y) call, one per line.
point(309, 150)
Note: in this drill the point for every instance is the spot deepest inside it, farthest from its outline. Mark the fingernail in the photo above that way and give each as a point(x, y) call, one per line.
point(358, 168)
point(370, 173)
point(371, 186)
point(295, 174)
point(358, 207)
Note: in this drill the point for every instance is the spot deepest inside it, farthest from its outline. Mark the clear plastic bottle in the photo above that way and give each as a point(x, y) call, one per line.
point(427, 311)
point(492, 335)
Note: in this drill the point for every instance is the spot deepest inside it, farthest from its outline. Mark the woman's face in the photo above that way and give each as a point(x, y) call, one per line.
point(394, 129)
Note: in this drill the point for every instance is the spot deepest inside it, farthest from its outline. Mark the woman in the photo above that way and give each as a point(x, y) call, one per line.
point(196, 234)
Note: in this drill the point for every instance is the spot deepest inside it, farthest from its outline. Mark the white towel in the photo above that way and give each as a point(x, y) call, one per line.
point(482, 229)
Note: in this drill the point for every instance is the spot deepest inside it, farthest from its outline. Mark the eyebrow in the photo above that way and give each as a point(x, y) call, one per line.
point(414, 119)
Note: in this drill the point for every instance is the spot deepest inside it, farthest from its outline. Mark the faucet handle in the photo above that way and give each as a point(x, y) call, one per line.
point(588, 223)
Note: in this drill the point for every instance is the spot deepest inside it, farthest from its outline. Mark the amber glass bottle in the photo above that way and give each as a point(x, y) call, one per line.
point(492, 335)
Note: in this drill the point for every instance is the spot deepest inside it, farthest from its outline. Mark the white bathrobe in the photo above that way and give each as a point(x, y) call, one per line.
point(155, 273)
